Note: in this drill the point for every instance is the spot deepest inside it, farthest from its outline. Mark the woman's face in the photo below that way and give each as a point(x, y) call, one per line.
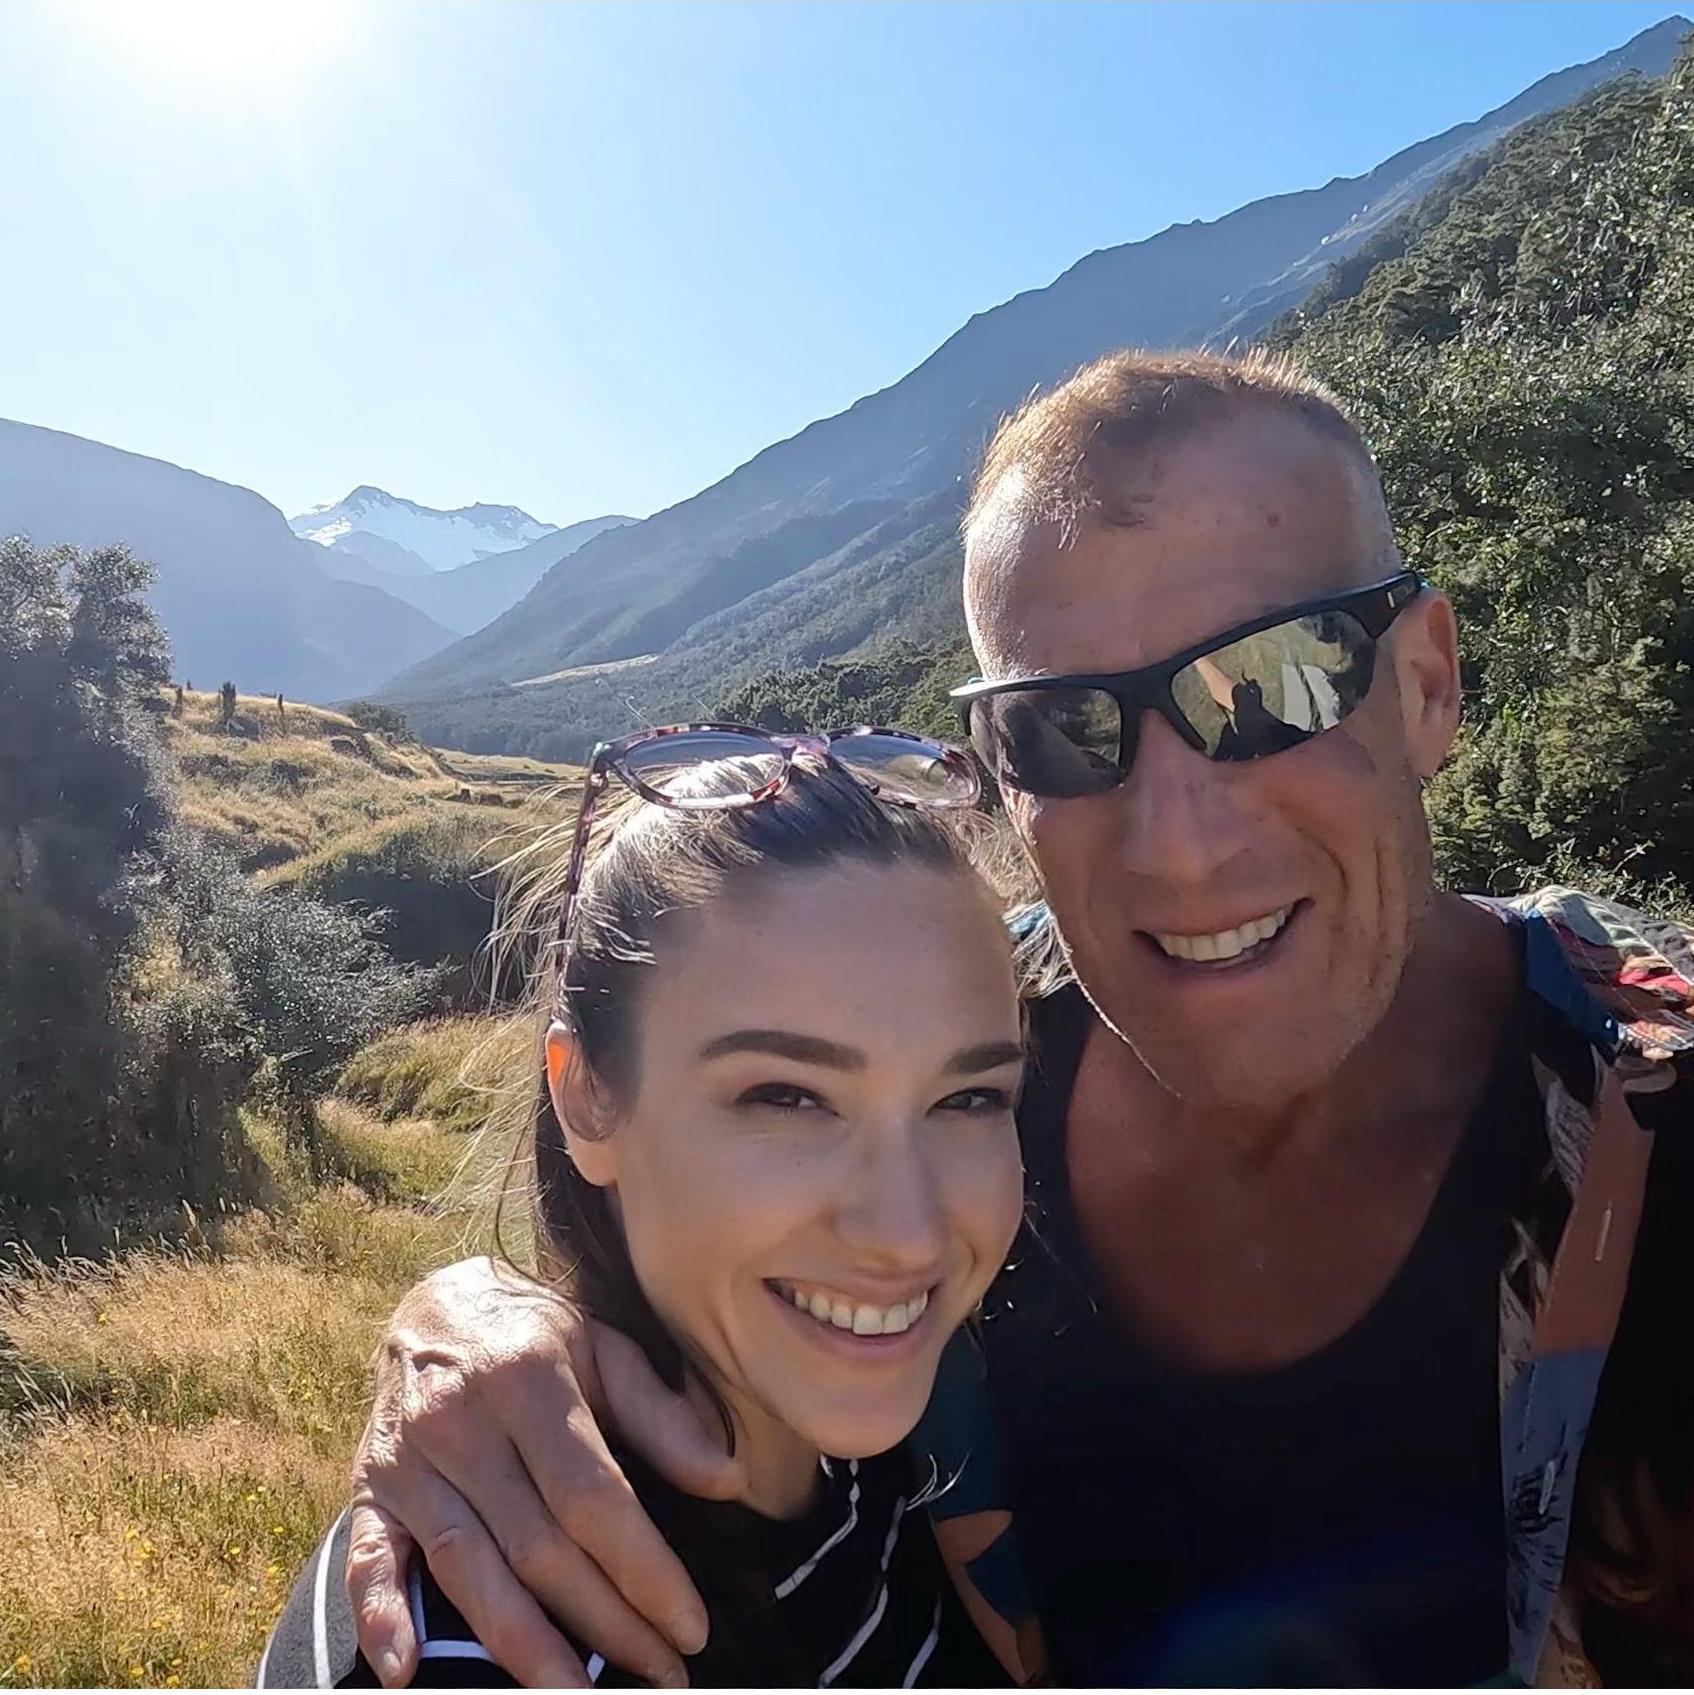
point(818, 1174)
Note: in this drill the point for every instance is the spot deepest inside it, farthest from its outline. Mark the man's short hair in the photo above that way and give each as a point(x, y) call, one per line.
point(1068, 445)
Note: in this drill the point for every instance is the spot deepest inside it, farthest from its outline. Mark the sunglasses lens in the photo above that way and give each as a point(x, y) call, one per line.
point(703, 769)
point(902, 768)
point(1055, 742)
point(1277, 688)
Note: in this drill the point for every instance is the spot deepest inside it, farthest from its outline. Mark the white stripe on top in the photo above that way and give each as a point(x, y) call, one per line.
point(928, 1648)
point(437, 1647)
point(863, 1634)
point(804, 1570)
point(320, 1621)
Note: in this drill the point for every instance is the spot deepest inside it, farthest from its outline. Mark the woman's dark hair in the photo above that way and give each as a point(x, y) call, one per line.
point(647, 865)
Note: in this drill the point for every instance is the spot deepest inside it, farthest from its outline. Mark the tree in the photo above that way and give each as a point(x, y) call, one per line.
point(84, 811)
point(1521, 359)
point(312, 980)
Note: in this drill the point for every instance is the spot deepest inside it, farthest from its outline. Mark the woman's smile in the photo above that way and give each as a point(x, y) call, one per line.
point(861, 1331)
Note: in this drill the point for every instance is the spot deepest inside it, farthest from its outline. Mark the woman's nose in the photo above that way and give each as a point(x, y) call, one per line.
point(892, 1215)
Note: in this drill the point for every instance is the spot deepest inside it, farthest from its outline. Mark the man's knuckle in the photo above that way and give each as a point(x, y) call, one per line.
point(446, 1547)
point(370, 1563)
point(591, 1515)
point(535, 1556)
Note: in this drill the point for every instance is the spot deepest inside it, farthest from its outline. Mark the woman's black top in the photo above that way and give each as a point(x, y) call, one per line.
point(852, 1593)
point(1336, 1520)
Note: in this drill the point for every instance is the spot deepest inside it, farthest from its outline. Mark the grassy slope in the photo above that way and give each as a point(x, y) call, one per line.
point(176, 1423)
point(175, 1426)
point(307, 798)
point(296, 784)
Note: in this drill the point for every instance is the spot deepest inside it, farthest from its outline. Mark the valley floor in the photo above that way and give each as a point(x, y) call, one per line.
point(176, 1424)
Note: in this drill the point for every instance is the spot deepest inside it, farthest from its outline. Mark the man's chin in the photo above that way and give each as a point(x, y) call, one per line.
point(1209, 1072)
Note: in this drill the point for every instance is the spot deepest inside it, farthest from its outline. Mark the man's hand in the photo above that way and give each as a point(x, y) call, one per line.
point(484, 1452)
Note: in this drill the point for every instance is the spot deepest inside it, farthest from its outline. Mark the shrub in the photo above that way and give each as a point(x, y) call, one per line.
point(373, 715)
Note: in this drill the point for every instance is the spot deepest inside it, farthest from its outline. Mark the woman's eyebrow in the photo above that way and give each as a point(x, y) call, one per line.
point(786, 1044)
point(985, 1056)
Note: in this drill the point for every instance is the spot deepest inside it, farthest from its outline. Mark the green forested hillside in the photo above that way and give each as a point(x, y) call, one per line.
point(1524, 370)
point(1519, 350)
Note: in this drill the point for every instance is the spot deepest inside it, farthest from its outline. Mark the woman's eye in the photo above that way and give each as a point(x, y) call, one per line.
point(785, 1097)
point(981, 1102)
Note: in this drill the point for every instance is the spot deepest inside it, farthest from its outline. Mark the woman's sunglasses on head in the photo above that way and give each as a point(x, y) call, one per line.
point(718, 767)
point(1273, 683)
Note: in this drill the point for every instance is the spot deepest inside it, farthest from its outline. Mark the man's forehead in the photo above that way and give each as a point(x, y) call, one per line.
point(1201, 535)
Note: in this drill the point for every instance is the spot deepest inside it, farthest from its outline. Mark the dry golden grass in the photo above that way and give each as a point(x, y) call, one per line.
point(175, 1427)
point(447, 1070)
point(296, 783)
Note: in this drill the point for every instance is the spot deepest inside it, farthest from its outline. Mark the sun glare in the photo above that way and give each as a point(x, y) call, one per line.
point(243, 46)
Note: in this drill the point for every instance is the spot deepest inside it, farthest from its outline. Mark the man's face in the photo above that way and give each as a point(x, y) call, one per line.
point(1252, 515)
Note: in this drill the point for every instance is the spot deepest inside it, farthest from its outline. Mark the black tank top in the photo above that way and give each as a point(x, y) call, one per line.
point(1334, 1521)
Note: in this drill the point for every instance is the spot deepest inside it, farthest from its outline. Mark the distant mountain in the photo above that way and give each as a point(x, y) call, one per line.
point(466, 597)
point(844, 534)
point(400, 536)
point(240, 596)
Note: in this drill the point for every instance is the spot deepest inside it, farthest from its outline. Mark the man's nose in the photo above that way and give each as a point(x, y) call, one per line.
point(890, 1214)
point(1183, 817)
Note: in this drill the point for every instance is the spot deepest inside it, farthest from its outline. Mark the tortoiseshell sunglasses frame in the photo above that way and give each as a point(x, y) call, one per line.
point(611, 758)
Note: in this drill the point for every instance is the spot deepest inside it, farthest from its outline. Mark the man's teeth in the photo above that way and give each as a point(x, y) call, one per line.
point(1225, 944)
point(857, 1316)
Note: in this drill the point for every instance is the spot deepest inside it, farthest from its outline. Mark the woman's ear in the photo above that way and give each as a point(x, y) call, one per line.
point(587, 1139)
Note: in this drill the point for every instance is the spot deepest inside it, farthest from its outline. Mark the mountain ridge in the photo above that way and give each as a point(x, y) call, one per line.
point(437, 538)
point(239, 594)
point(468, 596)
point(654, 586)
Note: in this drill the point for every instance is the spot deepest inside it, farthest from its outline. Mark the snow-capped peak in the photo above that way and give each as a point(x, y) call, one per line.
point(386, 529)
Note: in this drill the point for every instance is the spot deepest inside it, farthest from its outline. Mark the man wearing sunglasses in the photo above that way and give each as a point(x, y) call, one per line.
point(1354, 1205)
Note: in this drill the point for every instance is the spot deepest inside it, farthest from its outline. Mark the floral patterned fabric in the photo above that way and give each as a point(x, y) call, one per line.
point(1617, 992)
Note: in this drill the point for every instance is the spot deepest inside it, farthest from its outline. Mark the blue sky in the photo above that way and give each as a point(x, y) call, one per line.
point(589, 258)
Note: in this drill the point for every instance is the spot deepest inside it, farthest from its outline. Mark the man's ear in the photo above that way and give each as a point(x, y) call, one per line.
point(1426, 658)
point(588, 1138)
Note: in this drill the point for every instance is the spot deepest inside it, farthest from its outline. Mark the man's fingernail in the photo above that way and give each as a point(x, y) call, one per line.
point(688, 1632)
point(388, 1667)
point(671, 1677)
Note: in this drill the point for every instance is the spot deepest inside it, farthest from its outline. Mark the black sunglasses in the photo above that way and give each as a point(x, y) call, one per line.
point(1267, 685)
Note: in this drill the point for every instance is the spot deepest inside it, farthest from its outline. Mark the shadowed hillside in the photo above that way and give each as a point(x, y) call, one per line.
point(238, 593)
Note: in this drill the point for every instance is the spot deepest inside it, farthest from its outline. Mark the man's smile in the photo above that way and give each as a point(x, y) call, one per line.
point(1240, 944)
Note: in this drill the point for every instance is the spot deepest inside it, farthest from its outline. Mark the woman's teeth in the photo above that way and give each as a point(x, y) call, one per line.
point(857, 1316)
point(1225, 944)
